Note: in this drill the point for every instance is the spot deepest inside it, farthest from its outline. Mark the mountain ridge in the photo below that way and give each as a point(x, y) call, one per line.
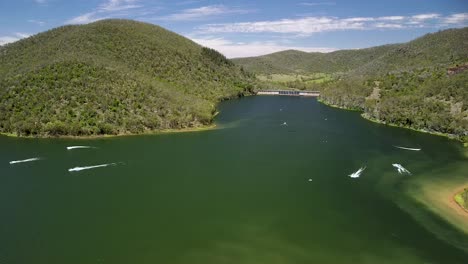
point(350, 59)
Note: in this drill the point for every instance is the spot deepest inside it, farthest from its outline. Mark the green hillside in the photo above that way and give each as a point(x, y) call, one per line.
point(293, 61)
point(112, 77)
point(412, 85)
point(441, 48)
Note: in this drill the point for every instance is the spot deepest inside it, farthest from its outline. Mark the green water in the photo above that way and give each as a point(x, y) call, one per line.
point(253, 191)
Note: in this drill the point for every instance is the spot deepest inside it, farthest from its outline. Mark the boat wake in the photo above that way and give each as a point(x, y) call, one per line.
point(80, 147)
point(357, 173)
point(91, 167)
point(22, 161)
point(413, 149)
point(401, 169)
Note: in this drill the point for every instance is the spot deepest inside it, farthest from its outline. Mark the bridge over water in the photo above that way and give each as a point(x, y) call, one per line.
point(289, 93)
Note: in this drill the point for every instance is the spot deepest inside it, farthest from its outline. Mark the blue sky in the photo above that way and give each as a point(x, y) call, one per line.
point(248, 28)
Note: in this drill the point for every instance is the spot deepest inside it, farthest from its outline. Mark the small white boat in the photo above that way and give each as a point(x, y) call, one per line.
point(25, 160)
point(401, 169)
point(91, 167)
point(413, 149)
point(79, 147)
point(358, 173)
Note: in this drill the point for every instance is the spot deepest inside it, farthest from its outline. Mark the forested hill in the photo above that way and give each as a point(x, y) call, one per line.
point(112, 77)
point(441, 48)
point(299, 62)
point(422, 84)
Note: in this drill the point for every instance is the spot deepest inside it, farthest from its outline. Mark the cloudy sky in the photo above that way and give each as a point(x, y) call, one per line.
point(243, 28)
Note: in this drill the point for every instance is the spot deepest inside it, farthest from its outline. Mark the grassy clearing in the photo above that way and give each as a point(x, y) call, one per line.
point(462, 198)
point(306, 78)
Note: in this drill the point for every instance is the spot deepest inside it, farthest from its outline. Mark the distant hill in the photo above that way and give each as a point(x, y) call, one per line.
point(422, 84)
point(111, 77)
point(447, 47)
point(293, 61)
point(444, 47)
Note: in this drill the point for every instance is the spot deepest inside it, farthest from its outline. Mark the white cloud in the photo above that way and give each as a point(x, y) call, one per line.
point(425, 16)
point(104, 10)
point(85, 18)
point(461, 19)
point(420, 20)
point(305, 25)
point(9, 39)
point(391, 18)
point(359, 19)
point(22, 35)
point(241, 49)
point(317, 3)
point(308, 25)
point(40, 1)
point(118, 5)
point(38, 22)
point(203, 12)
point(388, 25)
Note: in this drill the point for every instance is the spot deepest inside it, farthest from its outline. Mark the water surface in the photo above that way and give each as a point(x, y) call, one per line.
point(253, 191)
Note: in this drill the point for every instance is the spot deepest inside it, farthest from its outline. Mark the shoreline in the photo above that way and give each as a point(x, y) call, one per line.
point(213, 126)
point(365, 116)
point(337, 106)
point(146, 133)
point(444, 204)
point(440, 134)
point(431, 203)
point(440, 198)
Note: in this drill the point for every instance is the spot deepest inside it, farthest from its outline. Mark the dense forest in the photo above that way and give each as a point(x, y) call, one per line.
point(422, 84)
point(112, 77)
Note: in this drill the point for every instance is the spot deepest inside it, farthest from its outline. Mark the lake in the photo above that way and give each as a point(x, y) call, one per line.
point(270, 185)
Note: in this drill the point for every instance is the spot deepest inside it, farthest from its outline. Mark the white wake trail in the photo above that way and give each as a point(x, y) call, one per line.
point(357, 173)
point(413, 149)
point(80, 147)
point(400, 168)
point(22, 161)
point(91, 167)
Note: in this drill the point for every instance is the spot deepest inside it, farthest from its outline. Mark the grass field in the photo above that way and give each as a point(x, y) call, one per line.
point(462, 198)
point(306, 78)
